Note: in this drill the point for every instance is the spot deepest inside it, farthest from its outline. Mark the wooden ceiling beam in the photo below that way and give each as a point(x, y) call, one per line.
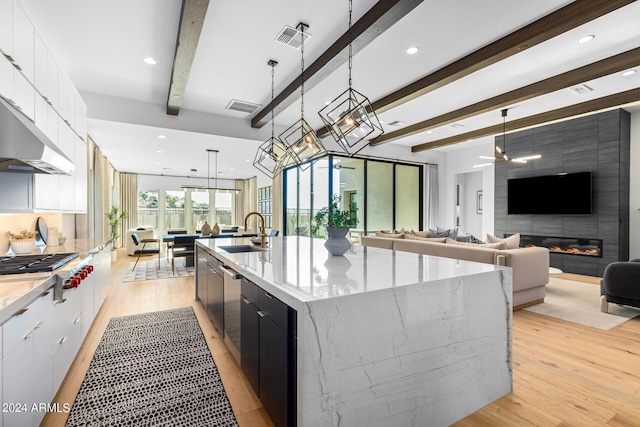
point(191, 22)
point(604, 67)
point(382, 16)
point(587, 107)
point(562, 20)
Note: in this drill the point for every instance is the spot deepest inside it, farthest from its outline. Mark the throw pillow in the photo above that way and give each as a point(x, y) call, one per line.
point(474, 239)
point(401, 231)
point(426, 239)
point(420, 233)
point(390, 235)
point(499, 245)
point(513, 242)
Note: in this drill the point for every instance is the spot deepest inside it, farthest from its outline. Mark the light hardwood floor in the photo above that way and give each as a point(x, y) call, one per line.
point(564, 374)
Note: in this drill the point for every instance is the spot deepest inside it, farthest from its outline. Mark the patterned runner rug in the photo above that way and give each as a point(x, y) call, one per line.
point(148, 270)
point(152, 369)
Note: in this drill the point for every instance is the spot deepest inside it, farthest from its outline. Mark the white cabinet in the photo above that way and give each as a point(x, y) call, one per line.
point(88, 291)
point(23, 41)
point(52, 80)
point(24, 95)
point(41, 56)
point(6, 78)
point(67, 183)
point(27, 376)
point(6, 26)
point(67, 334)
point(102, 271)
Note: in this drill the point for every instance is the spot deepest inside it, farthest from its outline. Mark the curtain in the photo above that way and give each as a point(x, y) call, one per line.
point(432, 195)
point(246, 201)
point(128, 200)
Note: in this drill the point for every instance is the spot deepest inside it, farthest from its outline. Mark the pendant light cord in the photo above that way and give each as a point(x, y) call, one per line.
point(302, 74)
point(273, 67)
point(504, 130)
point(350, 42)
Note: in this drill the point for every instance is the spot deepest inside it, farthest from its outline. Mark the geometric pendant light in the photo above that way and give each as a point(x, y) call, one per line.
point(302, 144)
point(350, 118)
point(270, 156)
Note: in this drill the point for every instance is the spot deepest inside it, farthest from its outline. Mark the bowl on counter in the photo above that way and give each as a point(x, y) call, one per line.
point(61, 240)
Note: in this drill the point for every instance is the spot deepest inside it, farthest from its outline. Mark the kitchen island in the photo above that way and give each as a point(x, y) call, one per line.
point(380, 337)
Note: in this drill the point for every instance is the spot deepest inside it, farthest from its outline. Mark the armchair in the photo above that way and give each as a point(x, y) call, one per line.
point(620, 284)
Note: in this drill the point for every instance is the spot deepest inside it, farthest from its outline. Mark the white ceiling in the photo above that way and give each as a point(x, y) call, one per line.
point(101, 46)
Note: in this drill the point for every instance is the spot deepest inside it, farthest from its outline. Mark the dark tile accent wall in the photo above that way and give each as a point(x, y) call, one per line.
point(600, 144)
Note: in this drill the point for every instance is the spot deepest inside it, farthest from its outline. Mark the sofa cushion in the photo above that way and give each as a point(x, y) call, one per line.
point(499, 245)
point(420, 233)
point(453, 232)
point(389, 235)
point(427, 239)
point(513, 242)
point(477, 254)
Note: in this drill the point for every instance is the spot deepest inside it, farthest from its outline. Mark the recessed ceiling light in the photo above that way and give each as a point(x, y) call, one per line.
point(247, 160)
point(157, 163)
point(150, 60)
point(429, 131)
point(586, 39)
point(629, 73)
point(159, 151)
point(412, 50)
point(161, 136)
point(381, 121)
point(327, 102)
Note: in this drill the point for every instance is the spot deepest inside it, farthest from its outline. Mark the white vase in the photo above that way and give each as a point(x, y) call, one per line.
point(205, 229)
point(337, 244)
point(23, 246)
point(216, 229)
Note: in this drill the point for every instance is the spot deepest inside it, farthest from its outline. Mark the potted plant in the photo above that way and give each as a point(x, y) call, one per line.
point(115, 217)
point(23, 242)
point(337, 223)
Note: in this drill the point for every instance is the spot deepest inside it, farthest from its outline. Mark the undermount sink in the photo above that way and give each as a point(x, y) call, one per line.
point(241, 248)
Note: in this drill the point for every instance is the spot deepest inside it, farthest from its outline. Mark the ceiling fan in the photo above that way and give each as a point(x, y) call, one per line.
point(501, 155)
point(337, 165)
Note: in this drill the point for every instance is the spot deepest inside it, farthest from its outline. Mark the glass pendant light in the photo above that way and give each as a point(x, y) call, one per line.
point(271, 157)
point(350, 118)
point(302, 144)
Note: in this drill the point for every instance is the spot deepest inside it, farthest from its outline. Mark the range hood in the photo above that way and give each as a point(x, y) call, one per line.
point(25, 148)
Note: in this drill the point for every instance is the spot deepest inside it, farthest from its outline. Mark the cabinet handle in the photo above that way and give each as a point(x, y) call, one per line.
point(45, 293)
point(30, 334)
point(21, 312)
point(267, 295)
point(77, 320)
point(39, 325)
point(246, 301)
point(63, 340)
point(62, 301)
point(261, 314)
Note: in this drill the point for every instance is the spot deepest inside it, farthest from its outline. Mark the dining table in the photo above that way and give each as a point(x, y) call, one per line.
point(192, 237)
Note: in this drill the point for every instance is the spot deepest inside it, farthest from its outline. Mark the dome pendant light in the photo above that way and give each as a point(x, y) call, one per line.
point(272, 157)
point(302, 143)
point(350, 118)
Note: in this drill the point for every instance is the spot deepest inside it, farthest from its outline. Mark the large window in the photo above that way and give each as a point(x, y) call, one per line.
point(224, 208)
point(174, 210)
point(200, 208)
point(148, 213)
point(387, 195)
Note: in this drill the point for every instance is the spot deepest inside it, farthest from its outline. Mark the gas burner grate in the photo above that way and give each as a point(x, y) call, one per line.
point(34, 263)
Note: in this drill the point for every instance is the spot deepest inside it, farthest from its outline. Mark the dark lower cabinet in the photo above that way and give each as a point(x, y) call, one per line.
point(202, 271)
point(215, 294)
point(268, 358)
point(250, 342)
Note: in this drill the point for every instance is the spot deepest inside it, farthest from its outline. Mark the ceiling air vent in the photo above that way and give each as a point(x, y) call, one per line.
point(243, 106)
point(582, 89)
point(397, 123)
point(291, 37)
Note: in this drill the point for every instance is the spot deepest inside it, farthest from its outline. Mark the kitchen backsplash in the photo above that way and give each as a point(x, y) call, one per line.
point(65, 223)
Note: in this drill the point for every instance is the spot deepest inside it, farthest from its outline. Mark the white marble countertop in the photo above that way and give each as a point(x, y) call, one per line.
point(300, 268)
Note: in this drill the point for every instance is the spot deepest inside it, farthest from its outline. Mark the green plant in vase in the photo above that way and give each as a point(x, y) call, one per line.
point(337, 222)
point(115, 217)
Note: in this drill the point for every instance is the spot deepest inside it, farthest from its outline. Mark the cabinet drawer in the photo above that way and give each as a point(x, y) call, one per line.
point(66, 348)
point(251, 291)
point(23, 322)
point(65, 312)
point(275, 310)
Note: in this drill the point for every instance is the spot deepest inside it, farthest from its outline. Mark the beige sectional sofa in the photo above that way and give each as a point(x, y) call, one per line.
point(530, 266)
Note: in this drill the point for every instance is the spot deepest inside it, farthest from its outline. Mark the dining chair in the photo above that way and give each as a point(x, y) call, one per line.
point(170, 244)
point(183, 247)
point(144, 250)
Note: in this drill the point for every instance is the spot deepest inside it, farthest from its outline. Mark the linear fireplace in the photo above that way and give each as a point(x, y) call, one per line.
point(563, 245)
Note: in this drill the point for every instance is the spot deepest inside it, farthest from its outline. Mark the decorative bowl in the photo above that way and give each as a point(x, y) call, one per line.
point(61, 240)
point(22, 246)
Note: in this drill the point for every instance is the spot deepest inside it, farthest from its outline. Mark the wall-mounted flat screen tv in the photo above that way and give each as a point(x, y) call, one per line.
point(563, 194)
